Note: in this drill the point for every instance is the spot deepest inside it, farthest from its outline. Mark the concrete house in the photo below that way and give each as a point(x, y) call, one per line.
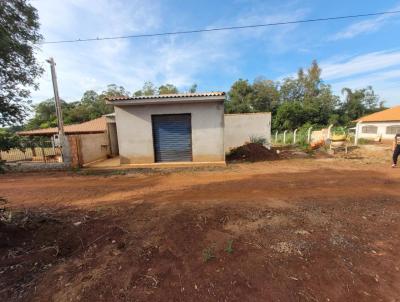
point(189, 127)
point(170, 128)
point(380, 125)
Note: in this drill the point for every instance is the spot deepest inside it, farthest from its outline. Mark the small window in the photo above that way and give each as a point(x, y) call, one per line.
point(370, 129)
point(393, 129)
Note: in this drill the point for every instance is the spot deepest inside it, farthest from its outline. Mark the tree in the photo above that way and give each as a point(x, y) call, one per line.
point(167, 89)
point(19, 30)
point(265, 95)
point(193, 88)
point(359, 102)
point(240, 98)
point(148, 89)
point(290, 115)
point(92, 105)
point(318, 103)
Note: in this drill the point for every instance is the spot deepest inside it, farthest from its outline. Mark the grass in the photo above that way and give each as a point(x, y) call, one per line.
point(364, 141)
point(229, 247)
point(208, 254)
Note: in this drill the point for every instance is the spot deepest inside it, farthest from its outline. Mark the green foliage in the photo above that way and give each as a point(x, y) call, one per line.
point(208, 254)
point(303, 99)
point(193, 88)
point(8, 140)
point(167, 89)
point(19, 30)
point(258, 140)
point(91, 106)
point(358, 103)
point(229, 247)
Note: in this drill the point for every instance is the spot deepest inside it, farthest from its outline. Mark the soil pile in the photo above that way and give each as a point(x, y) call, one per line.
point(251, 152)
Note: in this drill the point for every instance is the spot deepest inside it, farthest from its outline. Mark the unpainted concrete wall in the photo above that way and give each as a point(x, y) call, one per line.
point(135, 137)
point(113, 138)
point(240, 127)
point(93, 147)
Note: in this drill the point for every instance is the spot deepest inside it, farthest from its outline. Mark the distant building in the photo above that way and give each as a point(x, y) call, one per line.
point(380, 125)
point(95, 138)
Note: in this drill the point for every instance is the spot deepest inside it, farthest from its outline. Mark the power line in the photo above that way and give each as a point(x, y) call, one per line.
point(183, 32)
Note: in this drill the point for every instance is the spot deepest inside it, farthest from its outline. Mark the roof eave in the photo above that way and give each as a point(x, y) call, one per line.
point(162, 101)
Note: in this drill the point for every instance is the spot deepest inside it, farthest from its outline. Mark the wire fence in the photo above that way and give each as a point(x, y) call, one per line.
point(303, 136)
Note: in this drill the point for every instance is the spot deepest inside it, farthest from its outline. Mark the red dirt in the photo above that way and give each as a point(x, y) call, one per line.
point(251, 152)
point(302, 230)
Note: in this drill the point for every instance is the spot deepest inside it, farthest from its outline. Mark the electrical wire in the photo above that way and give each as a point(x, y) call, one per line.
point(183, 32)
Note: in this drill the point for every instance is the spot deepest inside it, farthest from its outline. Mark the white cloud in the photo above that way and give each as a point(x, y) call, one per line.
point(178, 59)
point(363, 27)
point(381, 70)
point(332, 70)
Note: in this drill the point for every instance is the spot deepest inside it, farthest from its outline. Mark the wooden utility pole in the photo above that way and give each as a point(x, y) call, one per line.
point(60, 121)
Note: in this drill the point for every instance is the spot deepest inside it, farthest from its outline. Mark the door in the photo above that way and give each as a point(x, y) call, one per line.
point(172, 137)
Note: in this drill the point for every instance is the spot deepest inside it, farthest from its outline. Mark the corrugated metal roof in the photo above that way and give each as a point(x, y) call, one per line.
point(167, 96)
point(94, 126)
point(391, 114)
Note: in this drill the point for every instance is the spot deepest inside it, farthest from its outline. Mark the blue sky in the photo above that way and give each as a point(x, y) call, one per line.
point(352, 53)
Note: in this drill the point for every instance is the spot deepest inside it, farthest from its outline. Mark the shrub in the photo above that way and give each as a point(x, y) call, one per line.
point(258, 140)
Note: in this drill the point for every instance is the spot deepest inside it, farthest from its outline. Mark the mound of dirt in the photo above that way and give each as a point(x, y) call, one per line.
point(251, 152)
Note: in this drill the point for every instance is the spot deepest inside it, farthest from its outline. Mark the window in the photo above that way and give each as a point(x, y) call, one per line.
point(393, 129)
point(370, 129)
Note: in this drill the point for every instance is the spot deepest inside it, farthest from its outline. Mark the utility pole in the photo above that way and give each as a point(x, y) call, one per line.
point(60, 121)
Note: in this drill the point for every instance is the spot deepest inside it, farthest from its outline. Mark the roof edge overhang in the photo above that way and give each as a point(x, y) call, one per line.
point(22, 133)
point(388, 121)
point(162, 101)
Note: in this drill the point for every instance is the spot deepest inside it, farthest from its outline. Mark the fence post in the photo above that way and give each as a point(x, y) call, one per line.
point(44, 155)
point(309, 135)
point(356, 136)
point(294, 136)
point(329, 131)
point(276, 136)
point(284, 137)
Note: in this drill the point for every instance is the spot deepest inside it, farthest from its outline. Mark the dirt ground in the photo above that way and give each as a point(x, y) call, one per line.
point(320, 229)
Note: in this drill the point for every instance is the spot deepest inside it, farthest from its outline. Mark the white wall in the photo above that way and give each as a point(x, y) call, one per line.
point(135, 137)
point(381, 130)
point(240, 127)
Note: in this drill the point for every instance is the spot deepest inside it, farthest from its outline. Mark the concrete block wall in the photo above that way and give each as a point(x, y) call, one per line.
point(240, 127)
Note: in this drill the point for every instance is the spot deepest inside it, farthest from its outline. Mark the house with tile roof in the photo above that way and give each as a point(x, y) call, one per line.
point(93, 140)
point(384, 124)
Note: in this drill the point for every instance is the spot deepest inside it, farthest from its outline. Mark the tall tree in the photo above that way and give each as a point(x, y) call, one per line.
point(148, 89)
point(240, 97)
point(358, 102)
point(167, 89)
point(19, 30)
point(193, 88)
point(265, 95)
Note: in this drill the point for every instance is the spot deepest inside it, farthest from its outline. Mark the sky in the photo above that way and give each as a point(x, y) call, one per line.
point(352, 53)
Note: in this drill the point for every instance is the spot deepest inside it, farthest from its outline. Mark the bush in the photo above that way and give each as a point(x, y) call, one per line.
point(258, 140)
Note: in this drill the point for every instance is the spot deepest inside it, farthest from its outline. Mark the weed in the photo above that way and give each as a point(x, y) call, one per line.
point(208, 254)
point(258, 140)
point(229, 247)
point(364, 141)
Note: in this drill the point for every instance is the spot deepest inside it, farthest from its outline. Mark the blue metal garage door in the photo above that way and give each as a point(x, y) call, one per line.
point(172, 137)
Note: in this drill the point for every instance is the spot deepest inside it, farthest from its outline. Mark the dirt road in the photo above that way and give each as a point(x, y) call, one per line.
point(295, 230)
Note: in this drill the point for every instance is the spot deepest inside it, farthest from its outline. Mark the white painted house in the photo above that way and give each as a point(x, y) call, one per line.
point(380, 125)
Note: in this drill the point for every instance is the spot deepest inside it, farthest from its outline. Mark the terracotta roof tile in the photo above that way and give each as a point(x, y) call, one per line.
point(167, 96)
point(94, 126)
point(391, 114)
